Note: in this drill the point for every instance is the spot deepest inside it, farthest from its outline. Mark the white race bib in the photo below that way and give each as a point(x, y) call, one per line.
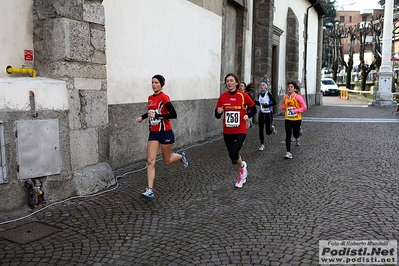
point(154, 121)
point(232, 118)
point(290, 113)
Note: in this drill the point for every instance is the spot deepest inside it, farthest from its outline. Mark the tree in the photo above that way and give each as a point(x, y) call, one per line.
point(350, 33)
point(328, 23)
point(364, 30)
point(395, 3)
point(376, 26)
point(329, 18)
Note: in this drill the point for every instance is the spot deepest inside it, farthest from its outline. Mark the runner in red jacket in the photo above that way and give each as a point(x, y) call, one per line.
point(234, 104)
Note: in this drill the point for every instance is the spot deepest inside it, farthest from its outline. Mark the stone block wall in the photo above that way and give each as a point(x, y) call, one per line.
point(69, 41)
point(69, 46)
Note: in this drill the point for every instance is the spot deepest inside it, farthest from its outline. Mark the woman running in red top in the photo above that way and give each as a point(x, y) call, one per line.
point(234, 104)
point(160, 111)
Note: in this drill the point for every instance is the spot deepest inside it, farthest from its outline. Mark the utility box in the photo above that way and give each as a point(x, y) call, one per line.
point(38, 148)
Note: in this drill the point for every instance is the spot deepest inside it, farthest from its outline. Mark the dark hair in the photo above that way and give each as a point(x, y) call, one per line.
point(244, 83)
point(235, 77)
point(293, 83)
point(250, 87)
point(160, 78)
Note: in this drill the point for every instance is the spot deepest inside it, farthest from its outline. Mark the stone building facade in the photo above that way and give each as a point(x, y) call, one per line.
point(68, 129)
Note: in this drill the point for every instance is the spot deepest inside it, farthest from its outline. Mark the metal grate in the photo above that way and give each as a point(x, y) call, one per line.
point(28, 232)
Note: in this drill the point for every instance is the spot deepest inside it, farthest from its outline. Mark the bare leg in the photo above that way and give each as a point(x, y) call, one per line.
point(168, 156)
point(152, 151)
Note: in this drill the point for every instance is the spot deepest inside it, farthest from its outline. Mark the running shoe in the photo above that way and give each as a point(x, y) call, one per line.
point(300, 131)
point(274, 131)
point(184, 159)
point(262, 147)
point(243, 171)
point(297, 142)
point(240, 182)
point(148, 194)
point(292, 138)
point(288, 155)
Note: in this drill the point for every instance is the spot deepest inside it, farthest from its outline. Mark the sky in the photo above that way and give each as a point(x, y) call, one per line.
point(357, 4)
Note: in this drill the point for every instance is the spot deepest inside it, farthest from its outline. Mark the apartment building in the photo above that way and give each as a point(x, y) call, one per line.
point(352, 18)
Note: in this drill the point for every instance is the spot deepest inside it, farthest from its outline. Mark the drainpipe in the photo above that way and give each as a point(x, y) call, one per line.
point(306, 51)
point(22, 70)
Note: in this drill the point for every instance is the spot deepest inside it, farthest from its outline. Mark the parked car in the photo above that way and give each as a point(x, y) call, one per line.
point(329, 87)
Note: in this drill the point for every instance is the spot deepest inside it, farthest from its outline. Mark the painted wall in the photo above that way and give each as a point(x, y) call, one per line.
point(180, 40)
point(248, 45)
point(143, 40)
point(15, 33)
point(299, 8)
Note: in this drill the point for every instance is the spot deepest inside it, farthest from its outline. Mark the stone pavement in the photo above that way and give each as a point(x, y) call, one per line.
point(341, 184)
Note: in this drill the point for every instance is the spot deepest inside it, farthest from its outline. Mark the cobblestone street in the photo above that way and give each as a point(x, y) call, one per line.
point(341, 184)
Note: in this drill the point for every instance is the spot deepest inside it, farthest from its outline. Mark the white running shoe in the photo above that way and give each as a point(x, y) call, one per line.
point(240, 182)
point(148, 194)
point(288, 155)
point(184, 159)
point(262, 147)
point(274, 131)
point(297, 142)
point(243, 171)
point(292, 138)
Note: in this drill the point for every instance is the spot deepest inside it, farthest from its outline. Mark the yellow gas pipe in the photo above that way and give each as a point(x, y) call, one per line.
point(22, 70)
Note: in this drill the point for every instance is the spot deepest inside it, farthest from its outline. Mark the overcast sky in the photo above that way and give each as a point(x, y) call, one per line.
point(357, 4)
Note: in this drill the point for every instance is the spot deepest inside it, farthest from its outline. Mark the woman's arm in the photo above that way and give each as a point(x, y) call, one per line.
point(273, 103)
point(301, 101)
point(172, 112)
point(283, 107)
point(251, 112)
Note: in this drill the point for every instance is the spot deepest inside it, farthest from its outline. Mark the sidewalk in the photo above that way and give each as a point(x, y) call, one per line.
point(353, 100)
point(341, 184)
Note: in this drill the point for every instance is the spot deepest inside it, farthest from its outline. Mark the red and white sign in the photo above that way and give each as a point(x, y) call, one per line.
point(28, 55)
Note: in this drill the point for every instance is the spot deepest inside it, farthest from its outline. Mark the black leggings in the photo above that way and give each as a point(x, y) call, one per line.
point(265, 120)
point(234, 143)
point(295, 125)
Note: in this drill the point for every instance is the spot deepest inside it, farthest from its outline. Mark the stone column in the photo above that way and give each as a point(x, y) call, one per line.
point(69, 44)
point(263, 41)
point(384, 96)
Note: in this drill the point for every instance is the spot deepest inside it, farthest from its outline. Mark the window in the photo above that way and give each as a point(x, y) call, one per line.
point(350, 19)
point(342, 19)
point(364, 18)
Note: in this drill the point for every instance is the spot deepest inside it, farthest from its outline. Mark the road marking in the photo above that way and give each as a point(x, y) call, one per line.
point(346, 105)
point(345, 120)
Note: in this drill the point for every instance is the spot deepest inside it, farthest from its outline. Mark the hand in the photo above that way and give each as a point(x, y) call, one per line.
point(151, 113)
point(246, 117)
point(220, 110)
point(139, 119)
